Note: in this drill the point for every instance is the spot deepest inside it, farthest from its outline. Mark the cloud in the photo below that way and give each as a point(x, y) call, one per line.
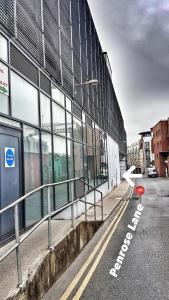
point(136, 36)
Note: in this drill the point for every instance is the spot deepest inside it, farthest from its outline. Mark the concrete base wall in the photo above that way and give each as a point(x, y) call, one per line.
point(56, 262)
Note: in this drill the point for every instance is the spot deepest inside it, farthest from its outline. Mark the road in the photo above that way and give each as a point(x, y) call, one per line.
point(144, 272)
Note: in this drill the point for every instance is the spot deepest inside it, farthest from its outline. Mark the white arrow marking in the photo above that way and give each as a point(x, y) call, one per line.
point(127, 175)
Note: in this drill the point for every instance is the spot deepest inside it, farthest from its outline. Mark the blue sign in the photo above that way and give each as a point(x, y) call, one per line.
point(9, 157)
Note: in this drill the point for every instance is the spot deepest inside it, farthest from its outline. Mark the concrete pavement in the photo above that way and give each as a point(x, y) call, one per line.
point(34, 248)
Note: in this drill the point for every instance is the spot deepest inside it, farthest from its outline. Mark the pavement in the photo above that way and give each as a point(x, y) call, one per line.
point(144, 273)
point(34, 248)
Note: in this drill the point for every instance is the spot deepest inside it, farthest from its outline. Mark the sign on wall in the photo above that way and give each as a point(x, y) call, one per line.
point(9, 157)
point(4, 88)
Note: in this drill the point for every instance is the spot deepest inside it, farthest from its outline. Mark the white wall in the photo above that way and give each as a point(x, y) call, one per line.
point(113, 162)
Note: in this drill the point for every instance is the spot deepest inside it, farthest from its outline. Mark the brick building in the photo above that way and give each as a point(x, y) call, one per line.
point(160, 147)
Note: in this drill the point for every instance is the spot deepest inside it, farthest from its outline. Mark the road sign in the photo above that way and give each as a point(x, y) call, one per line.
point(127, 175)
point(9, 157)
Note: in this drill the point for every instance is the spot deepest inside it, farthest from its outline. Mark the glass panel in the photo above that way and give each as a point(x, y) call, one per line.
point(104, 166)
point(90, 160)
point(24, 100)
point(45, 112)
point(89, 136)
point(77, 130)
point(3, 48)
point(84, 133)
point(4, 89)
point(85, 166)
point(78, 158)
point(68, 104)
point(58, 95)
point(98, 164)
point(32, 174)
point(70, 158)
point(9, 122)
point(69, 125)
point(97, 137)
point(58, 119)
point(60, 170)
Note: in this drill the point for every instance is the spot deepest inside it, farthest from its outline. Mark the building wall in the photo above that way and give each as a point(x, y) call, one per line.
point(47, 49)
point(160, 145)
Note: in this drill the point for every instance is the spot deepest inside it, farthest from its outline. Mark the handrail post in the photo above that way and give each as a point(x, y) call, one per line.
point(72, 206)
point(102, 206)
point(18, 254)
point(94, 204)
point(49, 221)
point(85, 206)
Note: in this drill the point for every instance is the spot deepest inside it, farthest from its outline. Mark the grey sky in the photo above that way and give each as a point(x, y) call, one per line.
point(135, 33)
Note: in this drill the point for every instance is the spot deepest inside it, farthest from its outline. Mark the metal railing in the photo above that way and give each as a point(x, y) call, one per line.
point(48, 217)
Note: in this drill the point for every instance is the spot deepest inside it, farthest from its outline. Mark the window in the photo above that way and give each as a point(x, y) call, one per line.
point(47, 169)
point(60, 170)
point(70, 158)
point(4, 89)
point(58, 119)
point(69, 125)
point(58, 95)
point(45, 112)
point(68, 104)
point(24, 100)
point(32, 174)
point(77, 129)
point(78, 158)
point(90, 160)
point(3, 48)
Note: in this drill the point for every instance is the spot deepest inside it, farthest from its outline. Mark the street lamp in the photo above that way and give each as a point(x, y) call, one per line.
point(92, 82)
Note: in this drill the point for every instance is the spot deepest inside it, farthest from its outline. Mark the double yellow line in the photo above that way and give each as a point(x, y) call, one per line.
point(107, 235)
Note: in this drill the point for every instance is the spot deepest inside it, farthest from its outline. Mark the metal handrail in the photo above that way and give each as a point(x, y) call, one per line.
point(48, 217)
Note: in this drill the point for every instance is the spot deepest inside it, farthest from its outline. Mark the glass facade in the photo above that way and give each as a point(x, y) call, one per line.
point(4, 89)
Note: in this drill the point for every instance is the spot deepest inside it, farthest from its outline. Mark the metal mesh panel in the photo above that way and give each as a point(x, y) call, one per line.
point(23, 65)
point(65, 24)
point(77, 111)
point(7, 15)
point(66, 52)
point(67, 79)
point(29, 31)
point(45, 84)
point(79, 188)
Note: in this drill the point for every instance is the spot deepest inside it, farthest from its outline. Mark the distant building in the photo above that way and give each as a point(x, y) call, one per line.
point(160, 146)
point(133, 156)
point(146, 155)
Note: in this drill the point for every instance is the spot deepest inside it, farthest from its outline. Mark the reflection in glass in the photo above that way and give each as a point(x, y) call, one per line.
point(60, 170)
point(90, 160)
point(58, 95)
point(89, 136)
point(45, 112)
point(98, 165)
point(70, 158)
point(3, 48)
point(58, 119)
point(24, 99)
point(32, 174)
point(69, 125)
point(77, 129)
point(68, 104)
point(47, 168)
point(4, 89)
point(78, 159)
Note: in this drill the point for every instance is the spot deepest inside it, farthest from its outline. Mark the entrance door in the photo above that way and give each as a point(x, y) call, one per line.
point(10, 163)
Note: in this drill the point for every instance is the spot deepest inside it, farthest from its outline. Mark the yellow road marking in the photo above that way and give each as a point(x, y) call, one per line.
point(88, 261)
point(96, 262)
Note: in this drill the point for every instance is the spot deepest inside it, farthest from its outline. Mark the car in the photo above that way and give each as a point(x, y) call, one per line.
point(152, 173)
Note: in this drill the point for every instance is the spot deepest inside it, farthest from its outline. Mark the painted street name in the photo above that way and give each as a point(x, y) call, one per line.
point(127, 241)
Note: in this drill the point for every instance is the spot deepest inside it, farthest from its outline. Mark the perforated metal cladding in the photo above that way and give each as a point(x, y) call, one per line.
point(77, 68)
point(23, 65)
point(66, 52)
point(45, 84)
point(79, 188)
point(7, 15)
point(77, 111)
point(29, 31)
point(67, 79)
point(88, 121)
point(65, 24)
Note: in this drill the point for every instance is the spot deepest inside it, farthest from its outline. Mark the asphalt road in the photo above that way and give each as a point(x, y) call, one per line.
point(144, 273)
